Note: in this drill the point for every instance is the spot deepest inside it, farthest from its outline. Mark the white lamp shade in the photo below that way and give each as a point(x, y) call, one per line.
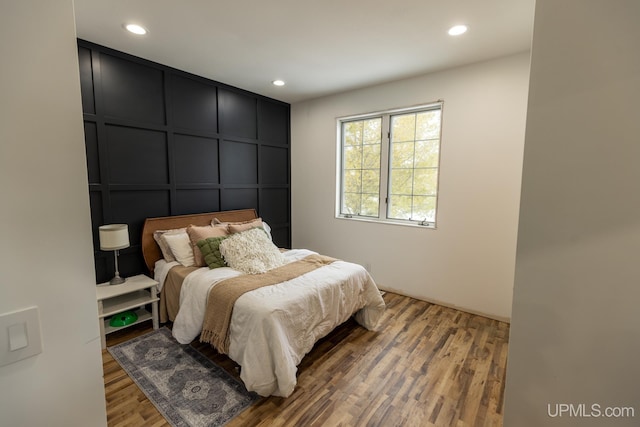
point(114, 237)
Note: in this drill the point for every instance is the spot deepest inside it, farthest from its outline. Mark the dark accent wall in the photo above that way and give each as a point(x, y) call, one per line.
point(160, 141)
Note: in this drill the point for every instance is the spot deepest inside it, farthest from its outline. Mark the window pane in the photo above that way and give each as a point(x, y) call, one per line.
point(400, 207)
point(371, 181)
point(425, 182)
point(428, 125)
point(401, 181)
point(370, 203)
point(353, 157)
point(424, 208)
point(362, 140)
point(371, 156)
point(402, 155)
point(352, 181)
point(403, 128)
point(414, 158)
point(372, 131)
point(351, 203)
point(352, 133)
point(427, 154)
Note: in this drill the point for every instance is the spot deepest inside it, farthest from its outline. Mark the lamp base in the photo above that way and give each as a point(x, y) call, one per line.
point(117, 280)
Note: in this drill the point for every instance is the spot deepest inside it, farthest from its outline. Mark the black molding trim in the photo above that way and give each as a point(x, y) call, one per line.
point(167, 142)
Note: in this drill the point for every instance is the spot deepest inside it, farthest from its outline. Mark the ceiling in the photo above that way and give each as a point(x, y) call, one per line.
point(317, 47)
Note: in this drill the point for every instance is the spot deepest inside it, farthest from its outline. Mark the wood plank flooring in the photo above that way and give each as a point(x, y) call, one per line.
point(425, 365)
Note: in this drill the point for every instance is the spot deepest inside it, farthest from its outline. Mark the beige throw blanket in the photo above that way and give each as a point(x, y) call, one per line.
point(223, 296)
point(170, 294)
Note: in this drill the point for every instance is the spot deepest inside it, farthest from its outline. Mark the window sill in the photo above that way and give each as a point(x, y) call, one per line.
point(388, 222)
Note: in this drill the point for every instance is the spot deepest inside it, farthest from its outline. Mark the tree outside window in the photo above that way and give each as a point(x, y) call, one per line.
point(389, 165)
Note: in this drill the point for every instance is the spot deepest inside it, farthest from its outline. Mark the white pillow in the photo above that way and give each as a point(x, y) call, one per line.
point(251, 252)
point(180, 246)
point(164, 246)
point(267, 229)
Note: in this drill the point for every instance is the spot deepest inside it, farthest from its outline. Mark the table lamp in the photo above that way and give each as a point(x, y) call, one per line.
point(114, 237)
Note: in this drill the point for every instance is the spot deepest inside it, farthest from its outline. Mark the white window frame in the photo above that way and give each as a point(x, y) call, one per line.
point(385, 165)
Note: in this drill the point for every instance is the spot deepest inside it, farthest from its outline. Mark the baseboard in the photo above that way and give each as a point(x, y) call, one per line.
point(384, 289)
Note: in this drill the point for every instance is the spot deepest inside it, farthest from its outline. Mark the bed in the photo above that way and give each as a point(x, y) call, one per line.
point(273, 324)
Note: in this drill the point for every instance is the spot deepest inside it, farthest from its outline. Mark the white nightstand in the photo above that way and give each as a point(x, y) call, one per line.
point(136, 292)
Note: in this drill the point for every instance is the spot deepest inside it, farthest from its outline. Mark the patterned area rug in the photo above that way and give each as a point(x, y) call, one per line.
point(185, 386)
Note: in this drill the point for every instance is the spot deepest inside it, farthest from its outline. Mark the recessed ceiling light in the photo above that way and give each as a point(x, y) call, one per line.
point(136, 29)
point(278, 82)
point(456, 30)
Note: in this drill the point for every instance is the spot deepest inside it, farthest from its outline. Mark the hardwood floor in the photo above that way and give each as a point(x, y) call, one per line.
point(426, 365)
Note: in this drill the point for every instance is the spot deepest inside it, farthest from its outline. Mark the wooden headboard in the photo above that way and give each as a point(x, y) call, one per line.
point(150, 249)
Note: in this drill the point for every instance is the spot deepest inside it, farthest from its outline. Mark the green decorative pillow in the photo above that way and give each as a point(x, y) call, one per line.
point(210, 248)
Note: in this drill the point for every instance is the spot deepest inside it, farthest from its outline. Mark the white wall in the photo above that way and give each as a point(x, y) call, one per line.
point(469, 260)
point(46, 247)
point(576, 324)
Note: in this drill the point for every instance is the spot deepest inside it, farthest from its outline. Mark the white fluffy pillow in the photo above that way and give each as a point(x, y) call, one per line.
point(180, 246)
point(251, 252)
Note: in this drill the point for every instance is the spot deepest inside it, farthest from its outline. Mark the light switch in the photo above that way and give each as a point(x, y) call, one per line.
point(19, 335)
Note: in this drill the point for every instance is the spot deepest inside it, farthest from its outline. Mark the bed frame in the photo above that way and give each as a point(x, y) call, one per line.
point(150, 249)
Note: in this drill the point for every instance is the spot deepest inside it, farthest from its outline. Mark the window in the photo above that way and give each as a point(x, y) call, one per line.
point(362, 141)
point(388, 165)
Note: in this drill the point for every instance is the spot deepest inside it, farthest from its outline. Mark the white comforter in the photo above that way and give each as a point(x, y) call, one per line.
point(273, 327)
